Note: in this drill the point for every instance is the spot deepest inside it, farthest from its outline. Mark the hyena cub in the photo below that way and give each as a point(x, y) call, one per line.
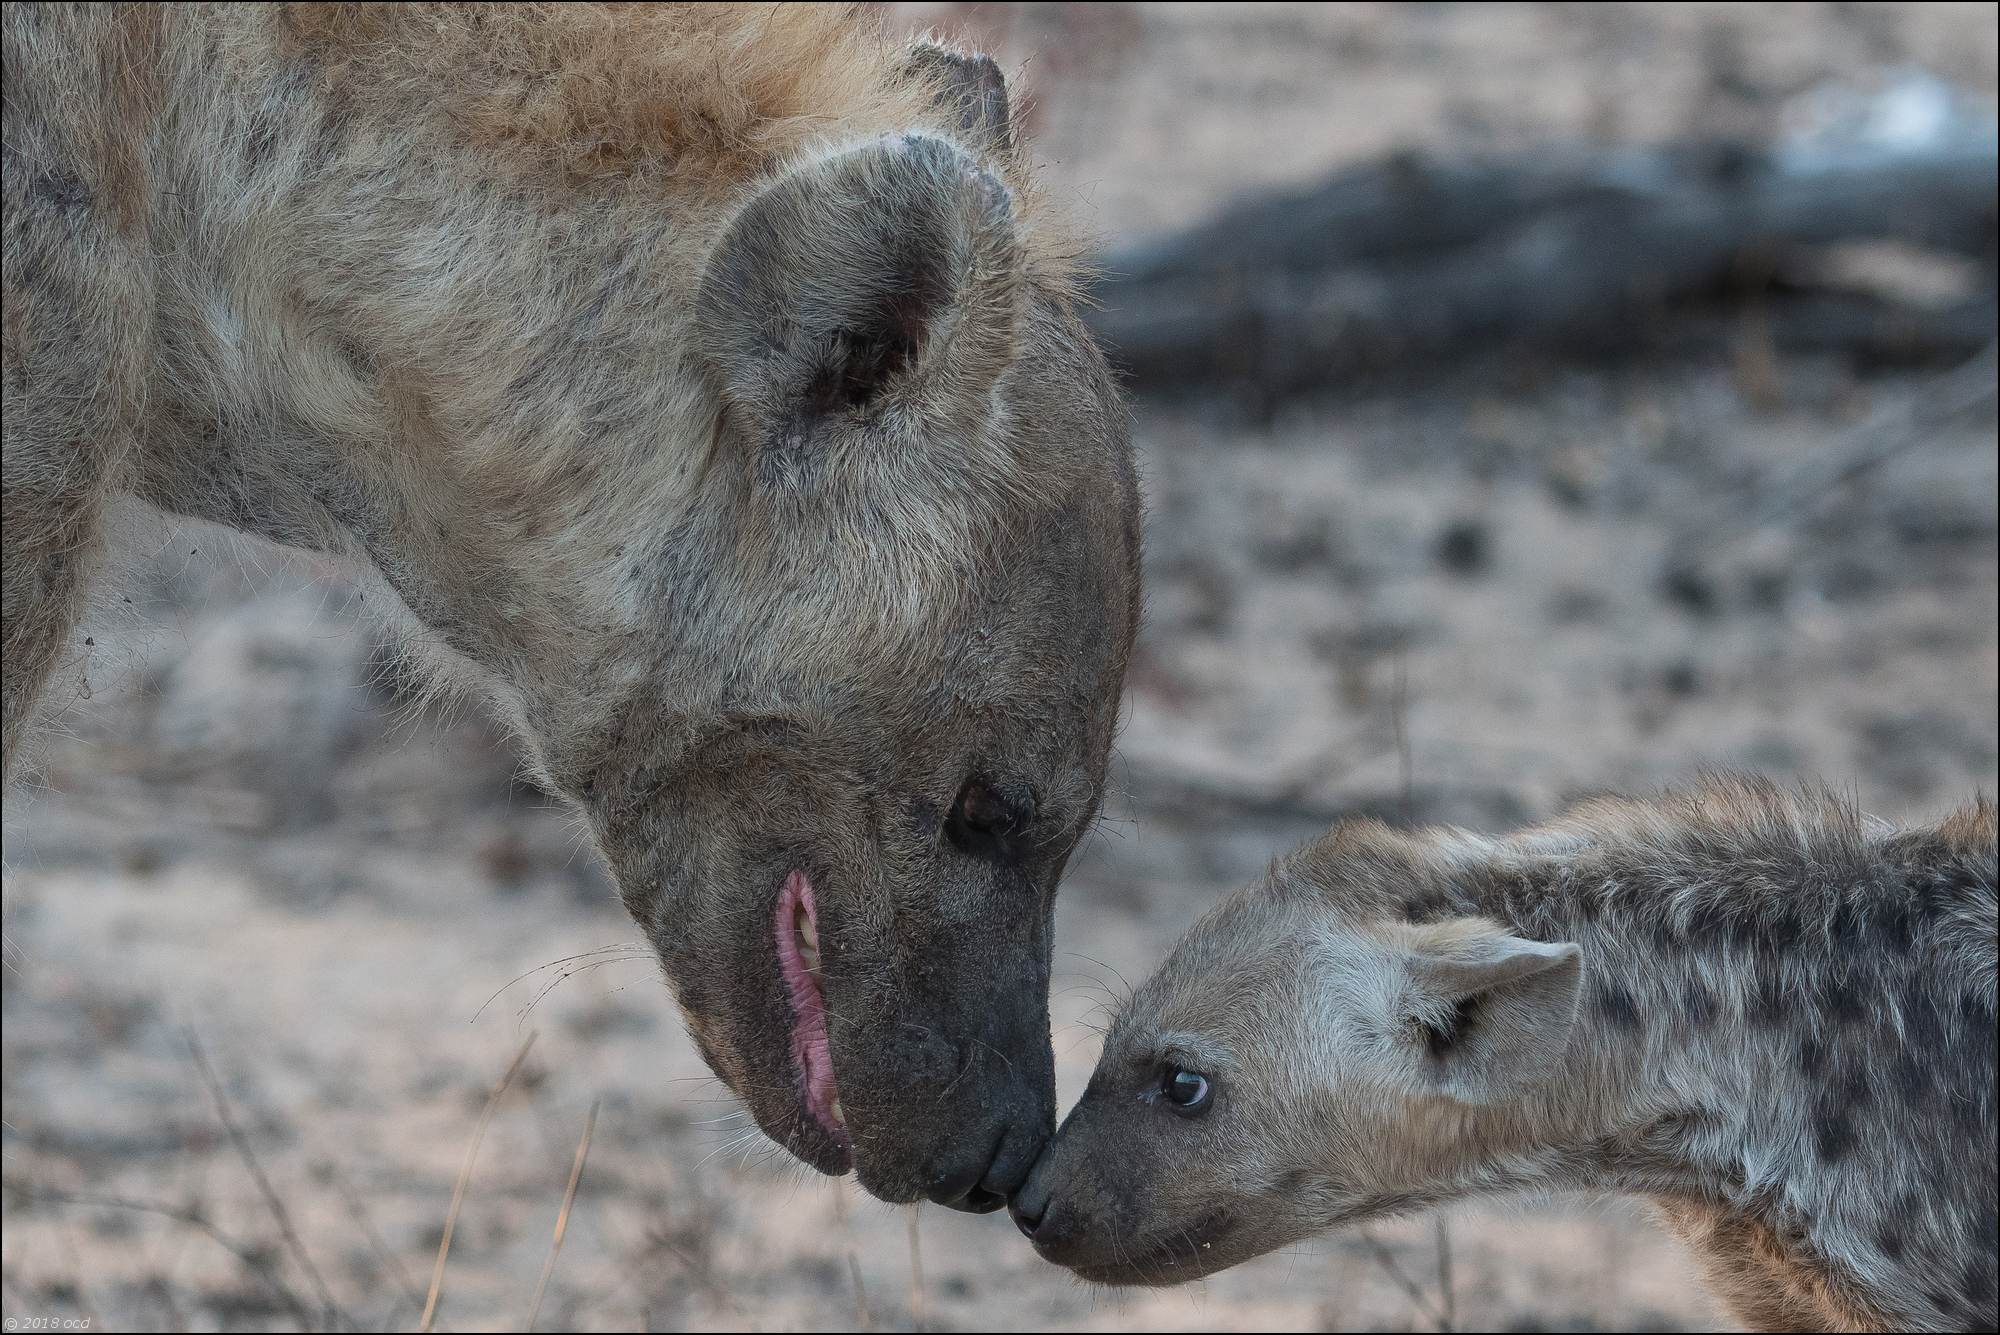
point(1767, 1015)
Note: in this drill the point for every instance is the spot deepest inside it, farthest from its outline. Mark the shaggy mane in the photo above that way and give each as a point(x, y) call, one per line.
point(705, 96)
point(1730, 853)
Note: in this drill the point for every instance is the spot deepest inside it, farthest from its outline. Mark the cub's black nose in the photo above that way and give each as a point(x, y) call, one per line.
point(1030, 1205)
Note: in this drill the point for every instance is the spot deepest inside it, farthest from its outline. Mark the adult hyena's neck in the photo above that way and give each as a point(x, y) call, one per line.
point(385, 345)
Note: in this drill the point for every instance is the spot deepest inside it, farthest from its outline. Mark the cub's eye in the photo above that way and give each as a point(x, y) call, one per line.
point(984, 819)
point(1187, 1093)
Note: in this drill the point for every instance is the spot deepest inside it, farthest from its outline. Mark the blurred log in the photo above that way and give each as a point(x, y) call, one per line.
point(1395, 266)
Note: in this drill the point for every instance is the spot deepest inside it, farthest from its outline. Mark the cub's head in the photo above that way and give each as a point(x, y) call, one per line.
point(878, 717)
point(1307, 1056)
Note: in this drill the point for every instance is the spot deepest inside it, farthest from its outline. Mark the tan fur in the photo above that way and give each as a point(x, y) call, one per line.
point(701, 98)
point(701, 386)
point(1761, 1280)
point(1972, 827)
point(1767, 1014)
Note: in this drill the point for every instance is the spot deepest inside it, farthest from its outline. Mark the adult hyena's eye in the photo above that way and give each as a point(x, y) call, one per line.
point(1187, 1092)
point(985, 821)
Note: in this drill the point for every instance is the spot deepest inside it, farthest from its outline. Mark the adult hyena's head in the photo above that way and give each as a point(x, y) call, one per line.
point(875, 720)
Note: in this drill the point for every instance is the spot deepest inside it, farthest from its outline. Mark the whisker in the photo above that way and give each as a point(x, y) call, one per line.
point(601, 950)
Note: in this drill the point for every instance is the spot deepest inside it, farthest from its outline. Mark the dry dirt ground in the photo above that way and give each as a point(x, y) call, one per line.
point(1467, 603)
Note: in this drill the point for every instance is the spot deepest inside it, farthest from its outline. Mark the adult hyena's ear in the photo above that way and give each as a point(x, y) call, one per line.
point(971, 91)
point(1487, 1014)
point(882, 285)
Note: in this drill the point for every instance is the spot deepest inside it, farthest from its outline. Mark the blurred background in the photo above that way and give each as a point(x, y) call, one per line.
point(1532, 399)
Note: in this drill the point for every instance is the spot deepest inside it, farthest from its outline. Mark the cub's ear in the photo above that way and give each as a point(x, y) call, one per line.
point(1489, 1014)
point(970, 89)
point(886, 276)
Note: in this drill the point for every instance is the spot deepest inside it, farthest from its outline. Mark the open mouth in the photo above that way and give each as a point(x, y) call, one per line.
point(797, 932)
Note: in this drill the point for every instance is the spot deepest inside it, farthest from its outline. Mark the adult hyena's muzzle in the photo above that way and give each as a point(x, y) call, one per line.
point(951, 1102)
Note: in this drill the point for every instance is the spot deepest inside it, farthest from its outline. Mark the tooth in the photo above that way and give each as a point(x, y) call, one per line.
point(836, 1113)
point(809, 942)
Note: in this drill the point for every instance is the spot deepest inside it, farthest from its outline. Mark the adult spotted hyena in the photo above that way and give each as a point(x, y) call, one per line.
point(1771, 1018)
point(703, 387)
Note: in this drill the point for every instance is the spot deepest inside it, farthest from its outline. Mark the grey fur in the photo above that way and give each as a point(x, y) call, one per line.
point(701, 387)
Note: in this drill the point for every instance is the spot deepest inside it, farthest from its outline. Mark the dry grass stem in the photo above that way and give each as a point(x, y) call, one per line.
point(392, 1265)
point(465, 1176)
point(562, 1217)
point(1447, 1293)
point(1386, 1259)
point(255, 1259)
point(249, 1157)
point(862, 1320)
point(916, 1272)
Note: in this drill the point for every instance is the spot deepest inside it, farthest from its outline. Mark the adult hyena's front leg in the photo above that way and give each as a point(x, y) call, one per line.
point(49, 537)
point(76, 325)
point(58, 457)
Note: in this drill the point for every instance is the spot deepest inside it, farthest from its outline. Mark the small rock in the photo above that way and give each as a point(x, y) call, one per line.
point(1681, 678)
point(1464, 547)
point(1690, 588)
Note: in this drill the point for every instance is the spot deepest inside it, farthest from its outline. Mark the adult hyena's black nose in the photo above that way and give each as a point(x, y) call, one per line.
point(982, 1184)
point(977, 1200)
